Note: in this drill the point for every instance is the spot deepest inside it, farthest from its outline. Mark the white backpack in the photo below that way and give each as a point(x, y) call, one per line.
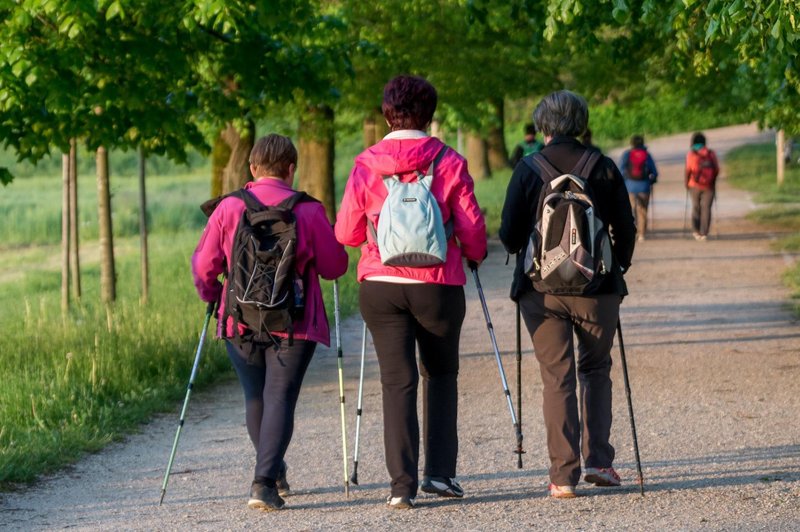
point(410, 229)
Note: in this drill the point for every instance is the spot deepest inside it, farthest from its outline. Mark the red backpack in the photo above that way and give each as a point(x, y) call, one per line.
point(706, 171)
point(636, 168)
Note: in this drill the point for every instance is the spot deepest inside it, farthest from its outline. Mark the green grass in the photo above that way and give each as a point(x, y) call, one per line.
point(74, 383)
point(753, 168)
point(491, 194)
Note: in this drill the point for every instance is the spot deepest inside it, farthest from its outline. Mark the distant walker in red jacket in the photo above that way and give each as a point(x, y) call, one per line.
point(271, 373)
point(407, 306)
point(702, 169)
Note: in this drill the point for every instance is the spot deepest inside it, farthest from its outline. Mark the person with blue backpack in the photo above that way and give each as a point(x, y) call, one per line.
point(409, 204)
point(640, 173)
point(567, 217)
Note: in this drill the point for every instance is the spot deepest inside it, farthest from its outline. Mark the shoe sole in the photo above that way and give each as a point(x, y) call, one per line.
point(563, 495)
point(597, 480)
point(257, 504)
point(401, 506)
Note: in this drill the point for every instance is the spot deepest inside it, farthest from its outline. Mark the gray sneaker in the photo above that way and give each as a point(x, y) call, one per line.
point(442, 486)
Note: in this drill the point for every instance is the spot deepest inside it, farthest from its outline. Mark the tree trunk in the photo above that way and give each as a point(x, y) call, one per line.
point(498, 154)
point(237, 170)
point(437, 131)
point(478, 157)
point(220, 153)
point(65, 233)
point(108, 289)
point(75, 265)
point(375, 128)
point(143, 228)
point(316, 147)
point(780, 147)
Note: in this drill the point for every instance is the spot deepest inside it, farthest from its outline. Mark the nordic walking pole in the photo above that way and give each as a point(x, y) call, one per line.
point(685, 211)
point(630, 406)
point(339, 361)
point(209, 313)
point(354, 476)
point(490, 327)
point(519, 386)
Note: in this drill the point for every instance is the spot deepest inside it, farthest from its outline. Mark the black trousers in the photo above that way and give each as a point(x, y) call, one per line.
point(401, 317)
point(271, 387)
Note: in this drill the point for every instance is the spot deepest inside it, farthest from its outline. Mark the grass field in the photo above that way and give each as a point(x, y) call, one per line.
point(753, 168)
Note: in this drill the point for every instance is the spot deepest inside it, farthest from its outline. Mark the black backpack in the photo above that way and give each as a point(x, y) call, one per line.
point(569, 250)
point(264, 292)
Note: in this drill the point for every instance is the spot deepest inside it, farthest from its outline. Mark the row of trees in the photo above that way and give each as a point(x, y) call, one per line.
point(165, 77)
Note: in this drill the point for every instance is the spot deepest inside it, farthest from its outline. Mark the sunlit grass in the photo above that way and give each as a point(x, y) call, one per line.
point(753, 168)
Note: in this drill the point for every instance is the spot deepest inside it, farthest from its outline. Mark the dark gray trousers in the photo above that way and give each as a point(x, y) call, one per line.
point(551, 321)
point(701, 210)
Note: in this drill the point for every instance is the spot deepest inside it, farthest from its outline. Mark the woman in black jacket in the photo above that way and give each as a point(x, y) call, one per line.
point(552, 319)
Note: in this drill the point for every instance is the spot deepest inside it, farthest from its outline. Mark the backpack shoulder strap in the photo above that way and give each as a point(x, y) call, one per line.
point(545, 165)
point(586, 163)
point(294, 199)
point(436, 160)
point(249, 199)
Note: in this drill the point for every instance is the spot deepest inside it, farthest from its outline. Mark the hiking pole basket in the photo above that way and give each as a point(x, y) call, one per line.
point(339, 362)
point(354, 476)
point(630, 406)
point(490, 327)
point(209, 313)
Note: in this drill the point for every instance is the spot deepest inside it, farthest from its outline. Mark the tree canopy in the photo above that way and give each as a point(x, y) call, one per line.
point(124, 73)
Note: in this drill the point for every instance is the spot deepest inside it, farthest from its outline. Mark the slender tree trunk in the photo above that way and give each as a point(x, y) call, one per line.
point(220, 153)
point(75, 265)
point(64, 233)
point(317, 148)
point(780, 146)
point(108, 289)
point(478, 157)
point(436, 130)
point(143, 228)
point(498, 154)
point(375, 128)
point(240, 143)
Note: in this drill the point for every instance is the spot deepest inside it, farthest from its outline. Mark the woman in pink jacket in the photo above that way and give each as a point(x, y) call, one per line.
point(405, 307)
point(271, 374)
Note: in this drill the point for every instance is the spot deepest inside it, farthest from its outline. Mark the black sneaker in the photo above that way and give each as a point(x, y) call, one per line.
point(264, 498)
point(281, 483)
point(442, 486)
point(403, 502)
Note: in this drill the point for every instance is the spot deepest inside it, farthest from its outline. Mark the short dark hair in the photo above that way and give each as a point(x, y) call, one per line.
point(637, 141)
point(698, 138)
point(561, 113)
point(530, 129)
point(273, 154)
point(409, 102)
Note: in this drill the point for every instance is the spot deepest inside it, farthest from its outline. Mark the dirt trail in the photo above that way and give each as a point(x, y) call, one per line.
point(713, 358)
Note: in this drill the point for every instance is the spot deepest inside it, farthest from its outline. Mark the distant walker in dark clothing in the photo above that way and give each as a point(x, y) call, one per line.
point(552, 320)
point(528, 146)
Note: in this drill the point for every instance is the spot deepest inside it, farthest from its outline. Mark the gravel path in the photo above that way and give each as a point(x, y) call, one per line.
point(713, 358)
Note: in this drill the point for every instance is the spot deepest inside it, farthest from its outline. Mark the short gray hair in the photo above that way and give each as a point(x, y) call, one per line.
point(562, 113)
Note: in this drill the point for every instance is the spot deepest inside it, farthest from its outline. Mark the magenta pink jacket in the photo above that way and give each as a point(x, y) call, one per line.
point(318, 253)
point(452, 187)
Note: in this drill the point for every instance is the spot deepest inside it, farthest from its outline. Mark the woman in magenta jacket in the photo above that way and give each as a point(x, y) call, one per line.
point(405, 307)
point(271, 375)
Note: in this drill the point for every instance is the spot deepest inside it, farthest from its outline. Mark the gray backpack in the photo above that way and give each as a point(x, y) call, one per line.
point(410, 230)
point(569, 250)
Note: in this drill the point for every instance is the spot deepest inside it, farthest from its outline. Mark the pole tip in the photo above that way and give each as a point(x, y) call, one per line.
point(162, 497)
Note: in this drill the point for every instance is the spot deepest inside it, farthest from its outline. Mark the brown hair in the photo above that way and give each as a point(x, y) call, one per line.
point(408, 102)
point(272, 155)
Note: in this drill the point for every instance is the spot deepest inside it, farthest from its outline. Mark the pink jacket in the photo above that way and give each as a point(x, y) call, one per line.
point(452, 187)
point(318, 253)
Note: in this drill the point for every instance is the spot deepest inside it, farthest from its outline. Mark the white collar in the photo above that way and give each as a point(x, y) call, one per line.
point(406, 134)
